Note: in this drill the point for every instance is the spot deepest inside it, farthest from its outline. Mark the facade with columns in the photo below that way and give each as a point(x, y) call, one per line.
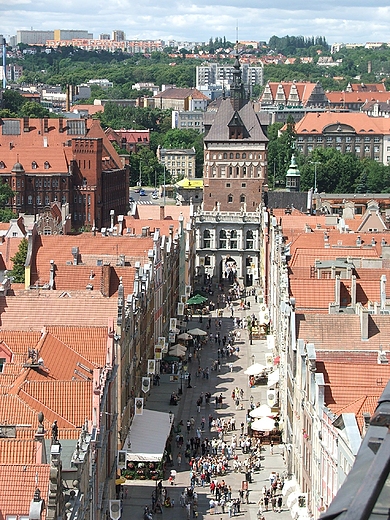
point(228, 237)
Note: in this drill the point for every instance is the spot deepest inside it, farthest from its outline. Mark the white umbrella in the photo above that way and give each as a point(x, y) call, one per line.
point(262, 411)
point(177, 350)
point(185, 336)
point(265, 424)
point(289, 486)
point(197, 332)
point(255, 369)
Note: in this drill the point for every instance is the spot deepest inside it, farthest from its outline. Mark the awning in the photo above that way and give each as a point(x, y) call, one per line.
point(289, 486)
point(273, 378)
point(148, 435)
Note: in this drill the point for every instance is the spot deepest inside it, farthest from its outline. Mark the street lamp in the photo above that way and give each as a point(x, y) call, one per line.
point(164, 184)
point(315, 174)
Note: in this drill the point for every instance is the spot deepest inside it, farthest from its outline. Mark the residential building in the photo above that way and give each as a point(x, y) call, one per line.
point(118, 36)
point(70, 162)
point(188, 119)
point(228, 223)
point(355, 133)
point(34, 37)
point(215, 75)
point(293, 94)
point(61, 34)
point(327, 301)
point(179, 162)
point(130, 140)
point(180, 99)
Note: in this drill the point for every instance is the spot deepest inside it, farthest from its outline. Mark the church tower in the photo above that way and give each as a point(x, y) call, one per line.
point(235, 165)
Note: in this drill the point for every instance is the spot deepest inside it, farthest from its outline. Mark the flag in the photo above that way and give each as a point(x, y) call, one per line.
point(139, 405)
point(151, 366)
point(145, 384)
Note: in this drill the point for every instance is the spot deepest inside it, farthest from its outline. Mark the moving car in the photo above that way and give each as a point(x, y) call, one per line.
point(142, 192)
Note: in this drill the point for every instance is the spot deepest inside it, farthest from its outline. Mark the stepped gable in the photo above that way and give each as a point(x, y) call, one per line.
point(34, 309)
point(18, 483)
point(110, 156)
point(219, 131)
point(342, 331)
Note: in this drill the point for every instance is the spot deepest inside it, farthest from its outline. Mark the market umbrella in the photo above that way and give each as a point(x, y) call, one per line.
point(177, 350)
point(262, 411)
point(265, 424)
point(255, 369)
point(197, 299)
point(197, 332)
point(120, 480)
point(185, 336)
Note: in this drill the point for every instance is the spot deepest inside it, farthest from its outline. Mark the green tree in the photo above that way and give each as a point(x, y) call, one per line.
point(19, 261)
point(280, 149)
point(13, 101)
point(33, 109)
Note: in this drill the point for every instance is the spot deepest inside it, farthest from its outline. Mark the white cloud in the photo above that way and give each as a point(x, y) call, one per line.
point(338, 21)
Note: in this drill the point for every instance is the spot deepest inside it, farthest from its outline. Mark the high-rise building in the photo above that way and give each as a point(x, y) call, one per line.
point(215, 75)
point(34, 37)
point(118, 36)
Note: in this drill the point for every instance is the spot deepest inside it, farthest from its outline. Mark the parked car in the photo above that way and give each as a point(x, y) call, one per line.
point(154, 195)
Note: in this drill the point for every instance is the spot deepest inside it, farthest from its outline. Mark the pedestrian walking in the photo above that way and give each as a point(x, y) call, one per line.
point(179, 459)
point(280, 503)
point(247, 496)
point(271, 448)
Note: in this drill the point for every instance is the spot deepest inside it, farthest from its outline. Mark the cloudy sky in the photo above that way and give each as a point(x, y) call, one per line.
point(339, 21)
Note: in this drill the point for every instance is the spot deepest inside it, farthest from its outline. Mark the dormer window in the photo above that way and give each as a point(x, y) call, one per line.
point(46, 165)
point(34, 165)
point(2, 165)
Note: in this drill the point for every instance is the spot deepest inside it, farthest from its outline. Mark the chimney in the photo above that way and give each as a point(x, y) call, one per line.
point(364, 324)
point(353, 290)
point(120, 223)
point(52, 269)
point(162, 212)
point(75, 254)
point(40, 457)
point(105, 283)
point(337, 291)
point(61, 125)
point(112, 215)
point(383, 292)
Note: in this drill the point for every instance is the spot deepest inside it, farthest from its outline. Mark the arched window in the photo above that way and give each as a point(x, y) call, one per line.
point(34, 165)
point(233, 239)
point(244, 170)
point(244, 155)
point(231, 155)
point(225, 155)
point(222, 239)
point(237, 171)
point(249, 240)
point(29, 199)
point(237, 155)
point(206, 238)
point(46, 165)
point(242, 198)
point(230, 197)
point(2, 165)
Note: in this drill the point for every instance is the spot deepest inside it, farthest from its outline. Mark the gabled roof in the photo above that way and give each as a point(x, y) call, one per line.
point(304, 89)
point(341, 332)
point(342, 98)
point(220, 130)
point(181, 93)
point(18, 483)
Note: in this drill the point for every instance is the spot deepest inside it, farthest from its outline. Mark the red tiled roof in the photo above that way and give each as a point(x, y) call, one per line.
point(181, 93)
point(342, 331)
point(17, 486)
point(316, 122)
point(340, 97)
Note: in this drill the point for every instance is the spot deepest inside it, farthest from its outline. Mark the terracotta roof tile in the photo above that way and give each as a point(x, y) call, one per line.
point(342, 331)
point(17, 486)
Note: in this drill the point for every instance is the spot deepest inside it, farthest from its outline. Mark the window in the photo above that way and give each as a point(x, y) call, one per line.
point(319, 139)
point(225, 155)
point(47, 200)
point(34, 165)
point(29, 199)
point(39, 202)
point(244, 170)
point(242, 198)
point(206, 238)
point(231, 155)
point(222, 239)
point(233, 239)
point(357, 139)
point(244, 155)
point(237, 155)
point(2, 363)
point(366, 148)
point(328, 139)
point(300, 139)
point(348, 139)
point(367, 139)
point(338, 139)
point(376, 140)
point(46, 165)
point(230, 198)
point(228, 184)
point(357, 149)
point(207, 260)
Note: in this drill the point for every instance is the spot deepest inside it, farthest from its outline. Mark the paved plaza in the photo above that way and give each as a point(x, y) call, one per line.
point(138, 494)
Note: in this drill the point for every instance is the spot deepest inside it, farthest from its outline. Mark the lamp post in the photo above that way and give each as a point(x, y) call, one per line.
point(315, 174)
point(164, 184)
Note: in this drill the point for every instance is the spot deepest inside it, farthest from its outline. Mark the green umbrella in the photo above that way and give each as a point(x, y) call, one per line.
point(197, 299)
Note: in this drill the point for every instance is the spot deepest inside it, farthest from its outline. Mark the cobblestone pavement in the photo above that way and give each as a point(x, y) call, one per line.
point(137, 494)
